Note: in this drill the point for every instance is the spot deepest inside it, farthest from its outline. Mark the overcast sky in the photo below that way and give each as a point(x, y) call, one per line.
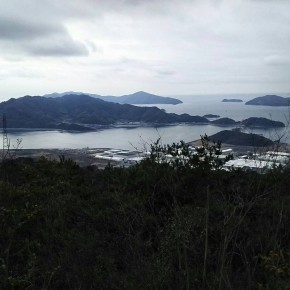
point(166, 47)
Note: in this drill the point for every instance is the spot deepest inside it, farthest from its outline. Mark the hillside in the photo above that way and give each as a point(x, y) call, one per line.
point(136, 98)
point(82, 110)
point(269, 100)
point(151, 226)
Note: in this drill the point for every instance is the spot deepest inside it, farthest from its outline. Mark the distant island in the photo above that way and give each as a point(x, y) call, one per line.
point(261, 122)
point(252, 122)
point(232, 100)
point(269, 100)
point(137, 98)
point(241, 139)
point(211, 116)
point(224, 121)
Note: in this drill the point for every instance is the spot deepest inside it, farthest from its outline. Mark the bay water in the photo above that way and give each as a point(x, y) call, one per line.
point(140, 137)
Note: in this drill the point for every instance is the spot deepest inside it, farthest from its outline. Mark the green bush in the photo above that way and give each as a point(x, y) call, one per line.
point(155, 225)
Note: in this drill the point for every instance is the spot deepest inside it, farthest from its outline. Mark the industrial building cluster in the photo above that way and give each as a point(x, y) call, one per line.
point(258, 162)
point(121, 158)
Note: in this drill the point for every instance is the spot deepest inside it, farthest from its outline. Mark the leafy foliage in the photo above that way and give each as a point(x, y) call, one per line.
point(156, 225)
point(181, 155)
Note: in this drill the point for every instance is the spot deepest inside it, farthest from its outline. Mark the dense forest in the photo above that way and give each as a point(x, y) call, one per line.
point(187, 224)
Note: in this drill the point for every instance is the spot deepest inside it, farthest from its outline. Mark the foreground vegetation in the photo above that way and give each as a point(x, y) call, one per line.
point(152, 226)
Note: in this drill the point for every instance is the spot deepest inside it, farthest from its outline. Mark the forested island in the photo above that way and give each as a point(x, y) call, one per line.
point(252, 122)
point(242, 139)
point(269, 100)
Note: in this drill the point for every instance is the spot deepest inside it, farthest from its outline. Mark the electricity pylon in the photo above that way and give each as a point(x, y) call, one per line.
point(6, 141)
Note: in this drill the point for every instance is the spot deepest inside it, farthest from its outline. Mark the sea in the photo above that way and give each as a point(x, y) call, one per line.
point(136, 137)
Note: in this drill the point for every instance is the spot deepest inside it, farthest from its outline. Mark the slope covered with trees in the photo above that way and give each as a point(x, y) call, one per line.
point(41, 112)
point(156, 225)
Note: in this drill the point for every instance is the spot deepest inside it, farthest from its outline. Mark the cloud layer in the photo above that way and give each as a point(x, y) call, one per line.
point(166, 47)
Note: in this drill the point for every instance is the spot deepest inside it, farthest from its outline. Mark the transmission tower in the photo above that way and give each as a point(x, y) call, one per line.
point(6, 141)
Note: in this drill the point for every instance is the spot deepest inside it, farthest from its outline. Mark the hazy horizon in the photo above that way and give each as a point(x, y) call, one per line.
point(248, 96)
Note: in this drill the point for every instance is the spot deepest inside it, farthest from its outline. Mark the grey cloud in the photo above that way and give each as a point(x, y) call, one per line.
point(12, 29)
point(58, 48)
point(160, 40)
point(36, 31)
point(93, 8)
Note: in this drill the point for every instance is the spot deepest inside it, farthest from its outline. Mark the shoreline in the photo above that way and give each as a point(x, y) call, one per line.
point(89, 156)
point(95, 127)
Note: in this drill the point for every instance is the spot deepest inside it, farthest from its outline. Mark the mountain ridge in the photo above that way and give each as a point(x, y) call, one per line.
point(83, 110)
point(84, 113)
point(139, 97)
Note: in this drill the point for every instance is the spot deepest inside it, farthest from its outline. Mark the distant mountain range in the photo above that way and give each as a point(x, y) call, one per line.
point(269, 100)
point(82, 112)
point(136, 98)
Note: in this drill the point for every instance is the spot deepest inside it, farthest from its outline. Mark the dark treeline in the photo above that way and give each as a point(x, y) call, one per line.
point(151, 226)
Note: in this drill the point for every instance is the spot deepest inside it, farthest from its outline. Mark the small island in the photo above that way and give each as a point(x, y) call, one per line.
point(269, 100)
point(232, 101)
point(234, 137)
point(261, 122)
point(252, 122)
point(224, 121)
point(211, 116)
